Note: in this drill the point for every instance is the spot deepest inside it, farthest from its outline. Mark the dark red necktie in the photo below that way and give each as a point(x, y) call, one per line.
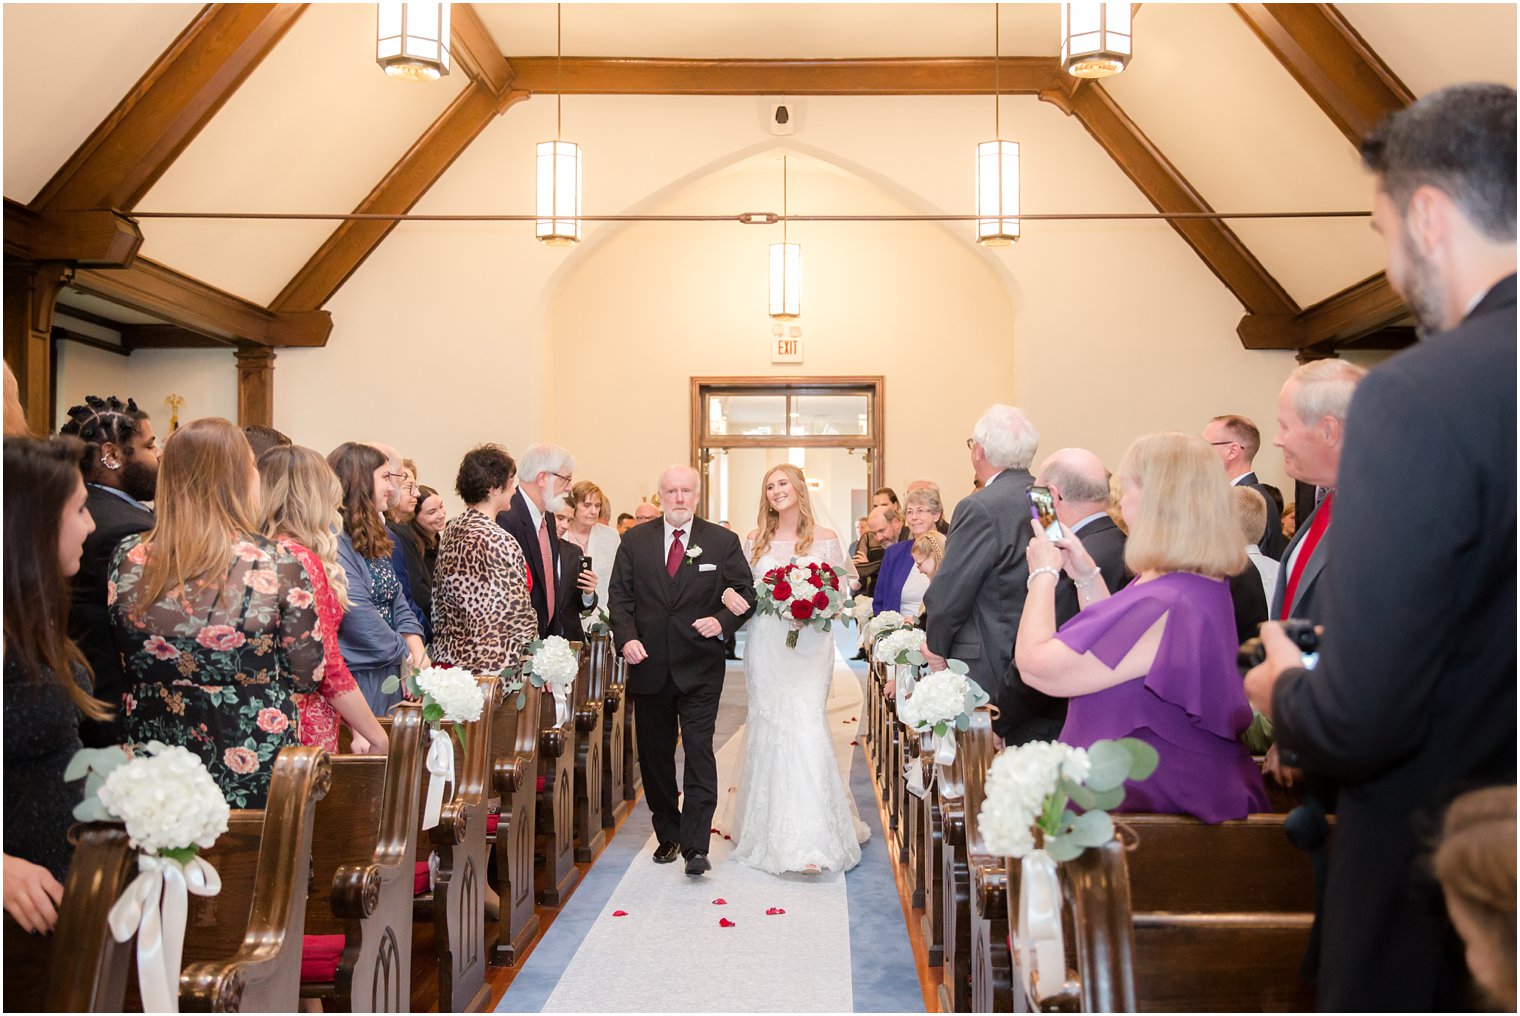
point(673, 559)
point(1305, 551)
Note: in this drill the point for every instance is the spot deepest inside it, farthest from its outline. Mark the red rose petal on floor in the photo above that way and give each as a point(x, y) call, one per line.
point(725, 923)
point(854, 743)
point(620, 913)
point(774, 911)
point(714, 830)
point(728, 838)
point(720, 902)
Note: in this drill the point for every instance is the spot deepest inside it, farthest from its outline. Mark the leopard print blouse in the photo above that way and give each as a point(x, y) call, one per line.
point(482, 613)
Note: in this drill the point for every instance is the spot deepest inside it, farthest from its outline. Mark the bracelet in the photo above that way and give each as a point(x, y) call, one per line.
point(1086, 580)
point(1042, 570)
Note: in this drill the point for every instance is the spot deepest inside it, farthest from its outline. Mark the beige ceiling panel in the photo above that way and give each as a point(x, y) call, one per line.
point(1430, 46)
point(1313, 258)
point(66, 68)
point(758, 31)
point(313, 129)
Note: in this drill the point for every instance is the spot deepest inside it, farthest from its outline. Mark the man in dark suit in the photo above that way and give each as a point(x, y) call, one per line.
point(545, 475)
point(1311, 431)
point(123, 473)
point(669, 622)
point(1413, 699)
point(1079, 484)
point(1237, 440)
point(977, 596)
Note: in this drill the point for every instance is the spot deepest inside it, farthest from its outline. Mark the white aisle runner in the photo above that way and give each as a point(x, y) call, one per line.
point(671, 953)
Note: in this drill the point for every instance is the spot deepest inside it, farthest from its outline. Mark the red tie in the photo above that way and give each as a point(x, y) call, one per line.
point(547, 556)
point(1306, 550)
point(673, 559)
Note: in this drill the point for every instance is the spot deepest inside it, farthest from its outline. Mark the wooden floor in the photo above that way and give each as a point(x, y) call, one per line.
point(425, 969)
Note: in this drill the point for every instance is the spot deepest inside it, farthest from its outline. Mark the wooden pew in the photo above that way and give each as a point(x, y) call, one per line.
point(931, 857)
point(243, 946)
point(892, 767)
point(362, 858)
point(910, 815)
point(615, 801)
point(991, 965)
point(877, 690)
point(514, 771)
point(79, 967)
point(955, 887)
point(587, 706)
point(633, 779)
point(556, 807)
point(456, 905)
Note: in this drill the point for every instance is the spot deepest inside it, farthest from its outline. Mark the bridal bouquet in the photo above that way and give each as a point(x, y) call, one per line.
point(172, 809)
point(548, 663)
point(805, 593)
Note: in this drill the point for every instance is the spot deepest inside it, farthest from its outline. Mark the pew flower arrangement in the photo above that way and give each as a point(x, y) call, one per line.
point(448, 694)
point(939, 703)
point(896, 645)
point(861, 612)
point(547, 663)
point(805, 593)
point(881, 624)
point(1028, 788)
point(172, 808)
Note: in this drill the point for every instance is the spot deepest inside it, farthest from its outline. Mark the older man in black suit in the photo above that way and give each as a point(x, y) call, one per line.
point(977, 596)
point(1413, 700)
point(545, 473)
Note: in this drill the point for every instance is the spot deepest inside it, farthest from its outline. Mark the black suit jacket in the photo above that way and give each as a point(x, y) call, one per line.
point(90, 618)
point(568, 593)
point(647, 604)
point(518, 521)
point(1273, 540)
point(1413, 700)
point(1306, 596)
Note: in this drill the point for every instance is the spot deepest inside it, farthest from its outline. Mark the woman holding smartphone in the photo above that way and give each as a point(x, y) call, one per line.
point(588, 530)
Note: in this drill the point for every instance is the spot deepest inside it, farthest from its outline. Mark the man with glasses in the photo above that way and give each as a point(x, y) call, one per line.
point(1237, 440)
point(545, 474)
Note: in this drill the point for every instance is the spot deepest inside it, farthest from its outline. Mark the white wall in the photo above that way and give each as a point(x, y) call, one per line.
point(205, 378)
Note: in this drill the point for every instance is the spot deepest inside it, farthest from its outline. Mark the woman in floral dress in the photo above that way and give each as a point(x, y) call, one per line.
point(217, 625)
point(300, 496)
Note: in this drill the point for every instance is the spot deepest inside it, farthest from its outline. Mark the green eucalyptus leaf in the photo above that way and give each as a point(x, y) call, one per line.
point(390, 684)
point(915, 657)
point(522, 699)
point(464, 736)
point(1092, 829)
point(827, 625)
point(1143, 758)
point(963, 722)
point(957, 667)
point(1062, 848)
point(939, 729)
point(92, 810)
point(96, 760)
point(1107, 800)
point(432, 713)
point(1081, 796)
point(1108, 763)
point(181, 854)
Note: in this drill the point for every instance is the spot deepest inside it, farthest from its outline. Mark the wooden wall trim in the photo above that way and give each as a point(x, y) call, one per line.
point(132, 148)
point(1332, 63)
point(1337, 320)
point(1218, 245)
point(95, 238)
point(255, 389)
point(152, 288)
point(31, 294)
point(904, 76)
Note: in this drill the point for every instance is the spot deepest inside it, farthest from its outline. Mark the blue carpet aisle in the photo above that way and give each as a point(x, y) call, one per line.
point(840, 946)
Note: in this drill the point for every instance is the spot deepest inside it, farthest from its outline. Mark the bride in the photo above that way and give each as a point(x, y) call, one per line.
point(793, 811)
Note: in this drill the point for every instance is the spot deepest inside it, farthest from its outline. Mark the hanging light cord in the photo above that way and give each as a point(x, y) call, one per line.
point(745, 218)
point(559, 72)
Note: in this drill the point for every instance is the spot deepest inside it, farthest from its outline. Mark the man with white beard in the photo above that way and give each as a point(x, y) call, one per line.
point(545, 474)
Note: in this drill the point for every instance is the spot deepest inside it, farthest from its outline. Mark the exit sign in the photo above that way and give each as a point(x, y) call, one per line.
point(785, 349)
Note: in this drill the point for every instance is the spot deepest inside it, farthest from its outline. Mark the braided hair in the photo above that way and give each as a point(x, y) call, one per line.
point(102, 421)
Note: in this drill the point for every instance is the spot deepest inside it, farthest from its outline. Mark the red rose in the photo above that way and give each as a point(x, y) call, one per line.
point(821, 599)
point(815, 581)
point(802, 609)
point(783, 590)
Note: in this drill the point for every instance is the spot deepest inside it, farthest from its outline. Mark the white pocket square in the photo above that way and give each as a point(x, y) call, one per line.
point(707, 567)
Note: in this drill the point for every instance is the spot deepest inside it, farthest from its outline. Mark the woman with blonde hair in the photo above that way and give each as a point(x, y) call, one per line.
point(300, 497)
point(792, 812)
point(217, 624)
point(1155, 660)
point(589, 531)
point(1475, 864)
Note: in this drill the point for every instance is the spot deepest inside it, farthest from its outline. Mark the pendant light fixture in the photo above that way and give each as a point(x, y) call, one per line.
point(1096, 39)
point(559, 169)
point(997, 167)
point(786, 267)
point(412, 40)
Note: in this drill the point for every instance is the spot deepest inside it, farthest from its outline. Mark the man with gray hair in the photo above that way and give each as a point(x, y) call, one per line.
point(1311, 429)
point(544, 475)
point(977, 596)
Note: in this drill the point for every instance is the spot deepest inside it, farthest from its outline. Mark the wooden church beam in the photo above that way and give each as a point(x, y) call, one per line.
point(489, 93)
point(1338, 320)
point(132, 148)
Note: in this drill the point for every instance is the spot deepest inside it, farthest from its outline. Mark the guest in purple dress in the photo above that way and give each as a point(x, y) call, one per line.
point(1155, 660)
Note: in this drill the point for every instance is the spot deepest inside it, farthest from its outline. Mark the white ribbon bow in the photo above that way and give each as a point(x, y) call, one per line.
point(154, 907)
point(904, 680)
point(561, 704)
point(944, 747)
point(1040, 938)
point(440, 767)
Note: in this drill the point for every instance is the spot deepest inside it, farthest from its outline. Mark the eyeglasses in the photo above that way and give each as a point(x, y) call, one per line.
point(1216, 444)
point(396, 476)
point(567, 479)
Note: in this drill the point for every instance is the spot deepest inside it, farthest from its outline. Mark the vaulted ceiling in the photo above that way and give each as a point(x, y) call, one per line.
point(112, 110)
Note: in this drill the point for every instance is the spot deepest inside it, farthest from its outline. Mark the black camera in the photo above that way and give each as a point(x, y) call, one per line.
point(1253, 653)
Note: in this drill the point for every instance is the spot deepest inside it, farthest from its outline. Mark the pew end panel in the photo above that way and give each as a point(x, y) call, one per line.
point(586, 717)
point(556, 807)
point(514, 745)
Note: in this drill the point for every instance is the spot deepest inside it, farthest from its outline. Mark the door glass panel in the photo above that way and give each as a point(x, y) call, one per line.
point(837, 479)
point(755, 415)
point(831, 414)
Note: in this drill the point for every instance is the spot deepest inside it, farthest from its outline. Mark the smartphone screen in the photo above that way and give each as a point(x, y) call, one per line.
point(1042, 508)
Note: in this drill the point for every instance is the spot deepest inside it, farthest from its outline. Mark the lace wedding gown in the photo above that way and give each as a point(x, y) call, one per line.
point(793, 808)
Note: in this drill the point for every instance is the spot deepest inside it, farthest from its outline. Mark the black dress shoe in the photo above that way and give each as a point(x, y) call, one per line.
point(666, 852)
point(697, 862)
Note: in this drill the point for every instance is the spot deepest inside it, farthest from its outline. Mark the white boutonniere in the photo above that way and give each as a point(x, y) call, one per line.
point(692, 553)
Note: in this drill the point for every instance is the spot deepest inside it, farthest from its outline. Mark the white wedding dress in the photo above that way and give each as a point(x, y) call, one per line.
point(792, 807)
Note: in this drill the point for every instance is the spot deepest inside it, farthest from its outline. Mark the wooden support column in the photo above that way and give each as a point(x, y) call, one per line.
point(255, 367)
point(31, 293)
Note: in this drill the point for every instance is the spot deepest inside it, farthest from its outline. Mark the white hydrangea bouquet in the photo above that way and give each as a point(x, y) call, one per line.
point(172, 809)
point(940, 703)
point(883, 623)
point(448, 694)
point(548, 663)
point(900, 646)
point(861, 612)
point(1028, 789)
